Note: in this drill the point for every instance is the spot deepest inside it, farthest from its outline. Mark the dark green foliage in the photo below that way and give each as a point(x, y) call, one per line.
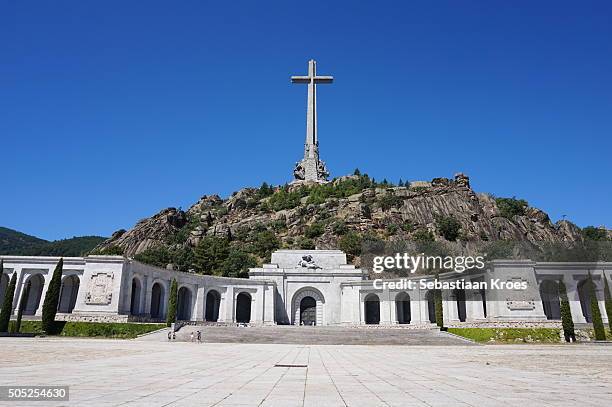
point(339, 228)
point(338, 189)
point(181, 257)
point(598, 326)
point(510, 207)
point(438, 306)
point(52, 297)
point(392, 229)
point(357, 172)
point(593, 233)
point(111, 250)
point(508, 335)
point(566, 314)
point(448, 227)
point(172, 301)
point(7, 305)
point(389, 200)
point(283, 199)
point(210, 254)
point(92, 329)
point(20, 244)
point(304, 243)
point(350, 243)
point(315, 230)
point(264, 191)
point(608, 299)
point(423, 235)
point(265, 243)
point(24, 296)
point(237, 264)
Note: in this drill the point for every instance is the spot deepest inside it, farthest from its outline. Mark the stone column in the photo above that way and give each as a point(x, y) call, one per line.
point(199, 303)
point(146, 296)
point(574, 301)
point(386, 311)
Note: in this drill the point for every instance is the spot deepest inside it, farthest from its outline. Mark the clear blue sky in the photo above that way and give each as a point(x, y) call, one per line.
point(111, 111)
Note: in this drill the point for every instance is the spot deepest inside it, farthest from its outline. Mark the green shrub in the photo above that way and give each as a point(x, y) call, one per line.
point(593, 233)
point(315, 230)
point(350, 243)
point(283, 199)
point(210, 254)
point(448, 227)
point(566, 314)
point(305, 244)
point(509, 335)
point(389, 200)
point(339, 228)
point(49, 308)
point(92, 329)
point(172, 302)
point(511, 207)
point(423, 235)
point(598, 326)
point(438, 306)
point(7, 304)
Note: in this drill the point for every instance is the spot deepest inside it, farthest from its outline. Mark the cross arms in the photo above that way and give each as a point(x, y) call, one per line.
point(317, 79)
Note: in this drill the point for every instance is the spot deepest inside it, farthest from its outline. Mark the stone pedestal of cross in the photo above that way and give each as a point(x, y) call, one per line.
point(311, 168)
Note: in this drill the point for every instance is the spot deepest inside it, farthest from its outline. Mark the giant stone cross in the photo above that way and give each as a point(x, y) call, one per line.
point(311, 168)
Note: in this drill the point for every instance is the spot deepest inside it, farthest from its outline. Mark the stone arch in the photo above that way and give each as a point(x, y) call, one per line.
point(135, 296)
point(461, 308)
point(183, 304)
point(243, 307)
point(549, 292)
point(584, 294)
point(402, 308)
point(32, 302)
point(372, 309)
point(213, 304)
point(298, 307)
point(68, 293)
point(158, 294)
point(431, 306)
point(4, 282)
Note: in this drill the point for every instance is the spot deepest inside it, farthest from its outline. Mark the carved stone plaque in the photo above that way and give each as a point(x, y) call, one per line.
point(100, 289)
point(521, 305)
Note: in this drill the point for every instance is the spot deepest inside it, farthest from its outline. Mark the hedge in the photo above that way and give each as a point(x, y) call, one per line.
point(509, 335)
point(92, 329)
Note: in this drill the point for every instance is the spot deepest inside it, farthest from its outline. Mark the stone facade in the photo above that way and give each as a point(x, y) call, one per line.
point(307, 287)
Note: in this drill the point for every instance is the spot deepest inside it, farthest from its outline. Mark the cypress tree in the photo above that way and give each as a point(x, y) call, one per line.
point(172, 300)
point(7, 305)
point(566, 315)
point(22, 304)
point(438, 305)
point(608, 298)
point(52, 298)
point(598, 326)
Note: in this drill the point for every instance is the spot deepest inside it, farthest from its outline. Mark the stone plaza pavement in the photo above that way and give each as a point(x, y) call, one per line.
point(146, 373)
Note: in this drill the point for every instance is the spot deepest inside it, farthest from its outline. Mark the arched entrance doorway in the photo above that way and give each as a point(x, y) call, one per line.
point(135, 299)
point(461, 309)
point(243, 308)
point(372, 309)
point(68, 294)
point(157, 301)
point(402, 308)
point(37, 282)
point(431, 306)
point(213, 302)
point(549, 292)
point(308, 311)
point(183, 306)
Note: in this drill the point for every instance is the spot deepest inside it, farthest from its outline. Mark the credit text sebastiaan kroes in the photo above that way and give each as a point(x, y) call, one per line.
point(404, 261)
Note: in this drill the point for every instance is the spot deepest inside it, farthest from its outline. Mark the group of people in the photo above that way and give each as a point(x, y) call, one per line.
point(195, 336)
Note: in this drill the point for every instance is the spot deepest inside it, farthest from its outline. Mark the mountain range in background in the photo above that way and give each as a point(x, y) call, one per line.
point(16, 243)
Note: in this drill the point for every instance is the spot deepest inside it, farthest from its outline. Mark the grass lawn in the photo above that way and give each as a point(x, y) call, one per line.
point(92, 329)
point(509, 335)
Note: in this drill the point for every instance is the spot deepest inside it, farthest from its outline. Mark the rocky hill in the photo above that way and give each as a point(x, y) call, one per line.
point(340, 214)
point(16, 243)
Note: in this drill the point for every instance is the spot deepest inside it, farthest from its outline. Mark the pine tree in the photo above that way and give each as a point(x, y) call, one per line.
point(24, 297)
point(52, 298)
point(598, 326)
point(438, 305)
point(7, 305)
point(172, 300)
point(357, 172)
point(608, 298)
point(566, 315)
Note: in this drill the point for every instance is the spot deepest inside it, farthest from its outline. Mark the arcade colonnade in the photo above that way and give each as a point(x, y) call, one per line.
point(300, 287)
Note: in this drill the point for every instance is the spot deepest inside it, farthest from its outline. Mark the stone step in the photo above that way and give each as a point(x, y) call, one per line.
point(309, 335)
